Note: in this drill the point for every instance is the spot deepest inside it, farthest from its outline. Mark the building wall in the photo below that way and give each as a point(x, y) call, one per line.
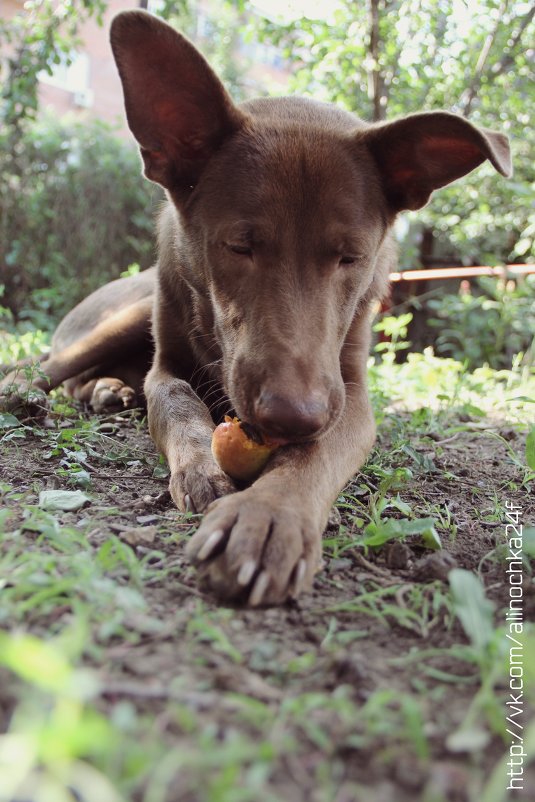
point(103, 92)
point(91, 85)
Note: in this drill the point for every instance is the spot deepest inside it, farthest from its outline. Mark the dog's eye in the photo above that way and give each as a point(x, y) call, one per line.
point(348, 260)
point(241, 250)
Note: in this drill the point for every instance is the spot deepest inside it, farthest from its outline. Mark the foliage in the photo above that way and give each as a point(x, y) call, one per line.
point(437, 382)
point(385, 59)
point(43, 34)
point(489, 326)
point(17, 346)
point(73, 209)
point(216, 28)
point(76, 215)
point(380, 59)
point(394, 329)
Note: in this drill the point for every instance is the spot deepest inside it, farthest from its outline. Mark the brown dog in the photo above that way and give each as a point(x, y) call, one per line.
point(273, 246)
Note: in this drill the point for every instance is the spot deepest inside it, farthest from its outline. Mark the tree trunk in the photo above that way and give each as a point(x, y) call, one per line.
point(376, 84)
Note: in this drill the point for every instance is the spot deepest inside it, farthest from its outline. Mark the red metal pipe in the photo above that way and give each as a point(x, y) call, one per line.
point(462, 272)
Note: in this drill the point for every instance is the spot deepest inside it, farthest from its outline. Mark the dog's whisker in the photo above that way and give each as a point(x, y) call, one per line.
point(207, 385)
point(204, 369)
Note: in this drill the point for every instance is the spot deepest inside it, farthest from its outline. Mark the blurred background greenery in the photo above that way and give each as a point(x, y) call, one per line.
point(75, 213)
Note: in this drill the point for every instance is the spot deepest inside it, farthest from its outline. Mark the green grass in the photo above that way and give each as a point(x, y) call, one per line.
point(121, 682)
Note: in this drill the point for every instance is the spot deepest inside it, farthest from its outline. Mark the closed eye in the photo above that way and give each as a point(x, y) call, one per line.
point(349, 260)
point(240, 250)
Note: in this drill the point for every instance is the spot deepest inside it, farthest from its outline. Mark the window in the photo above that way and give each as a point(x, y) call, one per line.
point(73, 77)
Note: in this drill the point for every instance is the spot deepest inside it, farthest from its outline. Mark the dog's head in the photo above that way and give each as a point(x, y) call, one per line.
point(285, 207)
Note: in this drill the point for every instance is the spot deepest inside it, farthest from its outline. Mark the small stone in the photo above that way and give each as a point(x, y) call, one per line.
point(434, 566)
point(340, 564)
point(398, 555)
point(147, 519)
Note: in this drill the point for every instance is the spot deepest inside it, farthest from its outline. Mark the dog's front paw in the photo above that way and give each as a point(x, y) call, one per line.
point(252, 547)
point(195, 486)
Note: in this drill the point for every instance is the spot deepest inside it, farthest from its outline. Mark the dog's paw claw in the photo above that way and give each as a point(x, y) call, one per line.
point(250, 549)
point(246, 572)
point(260, 587)
point(194, 488)
point(299, 578)
point(210, 545)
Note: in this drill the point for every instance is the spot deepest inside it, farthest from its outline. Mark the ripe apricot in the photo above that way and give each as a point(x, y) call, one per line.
point(239, 455)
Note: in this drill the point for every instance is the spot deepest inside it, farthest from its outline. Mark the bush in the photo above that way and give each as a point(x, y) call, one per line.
point(490, 326)
point(75, 212)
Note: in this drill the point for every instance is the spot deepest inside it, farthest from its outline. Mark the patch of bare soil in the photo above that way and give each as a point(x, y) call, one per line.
point(324, 640)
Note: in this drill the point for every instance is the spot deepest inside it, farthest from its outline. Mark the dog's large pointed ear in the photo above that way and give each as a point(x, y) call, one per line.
point(176, 106)
point(423, 152)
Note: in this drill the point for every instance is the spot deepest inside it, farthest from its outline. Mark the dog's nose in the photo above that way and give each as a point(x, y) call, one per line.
point(278, 415)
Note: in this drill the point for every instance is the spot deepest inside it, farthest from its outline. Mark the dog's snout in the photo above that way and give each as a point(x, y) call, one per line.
point(282, 416)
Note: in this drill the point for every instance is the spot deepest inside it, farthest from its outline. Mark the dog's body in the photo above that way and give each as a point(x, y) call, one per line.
point(272, 249)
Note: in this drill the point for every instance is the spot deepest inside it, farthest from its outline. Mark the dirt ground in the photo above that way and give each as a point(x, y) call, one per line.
point(334, 643)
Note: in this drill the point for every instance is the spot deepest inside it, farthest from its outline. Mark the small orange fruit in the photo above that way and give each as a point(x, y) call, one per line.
point(241, 457)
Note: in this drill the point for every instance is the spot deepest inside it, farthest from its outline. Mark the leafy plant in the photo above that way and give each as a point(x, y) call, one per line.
point(490, 325)
point(378, 528)
point(530, 449)
point(35, 39)
point(473, 609)
point(384, 60)
point(395, 329)
point(476, 614)
point(79, 216)
point(64, 743)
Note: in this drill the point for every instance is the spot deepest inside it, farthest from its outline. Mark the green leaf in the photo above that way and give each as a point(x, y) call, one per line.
point(530, 449)
point(8, 421)
point(66, 500)
point(523, 246)
point(400, 505)
point(431, 539)
point(160, 472)
point(376, 534)
point(35, 661)
point(473, 609)
point(528, 541)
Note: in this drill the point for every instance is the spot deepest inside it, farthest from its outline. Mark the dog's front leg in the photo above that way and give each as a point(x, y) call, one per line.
point(181, 427)
point(263, 544)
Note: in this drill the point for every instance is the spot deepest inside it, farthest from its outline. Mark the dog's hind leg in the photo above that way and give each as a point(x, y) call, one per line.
point(118, 347)
point(107, 394)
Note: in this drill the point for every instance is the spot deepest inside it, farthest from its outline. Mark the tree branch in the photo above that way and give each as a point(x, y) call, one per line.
point(502, 64)
point(507, 59)
point(475, 82)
